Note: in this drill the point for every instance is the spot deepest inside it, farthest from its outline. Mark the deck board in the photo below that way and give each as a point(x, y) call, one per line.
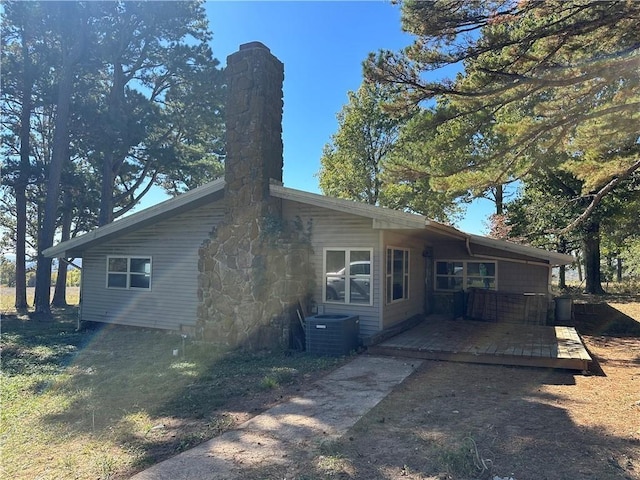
point(489, 342)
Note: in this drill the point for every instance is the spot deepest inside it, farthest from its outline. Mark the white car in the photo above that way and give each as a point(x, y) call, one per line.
point(360, 286)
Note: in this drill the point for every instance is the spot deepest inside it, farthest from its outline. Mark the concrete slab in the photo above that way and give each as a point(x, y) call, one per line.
point(326, 412)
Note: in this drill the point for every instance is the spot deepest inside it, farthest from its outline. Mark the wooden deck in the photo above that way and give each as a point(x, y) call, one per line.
point(489, 342)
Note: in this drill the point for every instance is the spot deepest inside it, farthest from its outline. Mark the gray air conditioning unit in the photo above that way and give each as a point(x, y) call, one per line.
point(332, 334)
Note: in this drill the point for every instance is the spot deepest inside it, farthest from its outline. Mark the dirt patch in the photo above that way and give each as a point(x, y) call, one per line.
point(462, 421)
point(459, 421)
point(611, 319)
point(278, 437)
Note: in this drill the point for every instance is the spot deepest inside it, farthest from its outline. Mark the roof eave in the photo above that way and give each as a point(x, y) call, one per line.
point(553, 258)
point(386, 216)
point(172, 206)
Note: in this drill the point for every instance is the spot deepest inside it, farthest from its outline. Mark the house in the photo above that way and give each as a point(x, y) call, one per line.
point(230, 261)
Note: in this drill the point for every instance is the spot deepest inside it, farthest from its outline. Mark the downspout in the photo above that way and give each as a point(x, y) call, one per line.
point(446, 231)
point(505, 259)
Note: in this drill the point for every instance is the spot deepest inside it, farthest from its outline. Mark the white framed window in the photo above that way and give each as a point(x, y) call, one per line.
point(462, 274)
point(347, 273)
point(129, 272)
point(397, 274)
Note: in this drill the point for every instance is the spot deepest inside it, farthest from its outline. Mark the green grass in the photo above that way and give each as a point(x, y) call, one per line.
point(463, 460)
point(108, 401)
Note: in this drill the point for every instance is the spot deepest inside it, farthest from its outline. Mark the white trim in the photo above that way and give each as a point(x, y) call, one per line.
point(381, 218)
point(347, 285)
point(406, 276)
point(385, 218)
point(553, 258)
point(465, 274)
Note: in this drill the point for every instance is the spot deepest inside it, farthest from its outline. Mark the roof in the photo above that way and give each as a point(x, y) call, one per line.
point(383, 218)
point(553, 258)
point(389, 218)
point(174, 206)
point(395, 218)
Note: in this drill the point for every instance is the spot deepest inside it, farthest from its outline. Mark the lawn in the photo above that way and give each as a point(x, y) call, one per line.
point(108, 401)
point(105, 402)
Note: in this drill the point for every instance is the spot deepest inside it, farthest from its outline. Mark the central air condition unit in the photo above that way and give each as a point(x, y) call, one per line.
point(332, 334)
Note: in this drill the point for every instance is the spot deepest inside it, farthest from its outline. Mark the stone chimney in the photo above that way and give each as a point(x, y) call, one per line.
point(252, 271)
point(253, 124)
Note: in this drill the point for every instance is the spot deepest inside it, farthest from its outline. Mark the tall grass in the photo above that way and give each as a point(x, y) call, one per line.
point(8, 297)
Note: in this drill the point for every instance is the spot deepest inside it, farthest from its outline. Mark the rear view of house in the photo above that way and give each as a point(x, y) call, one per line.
point(231, 261)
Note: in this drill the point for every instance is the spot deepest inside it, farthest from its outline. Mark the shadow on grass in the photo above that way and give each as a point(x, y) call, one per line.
point(456, 421)
point(34, 344)
point(603, 319)
point(126, 386)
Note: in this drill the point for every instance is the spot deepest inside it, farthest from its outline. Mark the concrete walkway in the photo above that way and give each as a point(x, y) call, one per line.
point(326, 412)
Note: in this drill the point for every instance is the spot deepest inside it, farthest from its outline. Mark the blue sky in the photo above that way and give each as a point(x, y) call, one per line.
point(322, 46)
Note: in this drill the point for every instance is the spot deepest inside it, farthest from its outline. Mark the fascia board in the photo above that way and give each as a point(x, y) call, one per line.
point(553, 258)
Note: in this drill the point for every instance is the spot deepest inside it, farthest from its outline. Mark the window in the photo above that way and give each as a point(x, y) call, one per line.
point(397, 274)
point(449, 275)
point(481, 275)
point(350, 285)
point(129, 272)
point(461, 275)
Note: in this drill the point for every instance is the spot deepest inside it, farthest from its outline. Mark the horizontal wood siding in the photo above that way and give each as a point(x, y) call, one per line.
point(335, 229)
point(173, 246)
point(522, 278)
point(399, 311)
point(449, 250)
point(514, 274)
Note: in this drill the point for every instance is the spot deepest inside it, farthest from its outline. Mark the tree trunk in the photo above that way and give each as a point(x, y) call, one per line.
point(562, 272)
point(106, 191)
point(59, 155)
point(579, 265)
point(619, 269)
point(25, 172)
point(499, 198)
point(116, 131)
point(60, 293)
point(21, 303)
point(591, 248)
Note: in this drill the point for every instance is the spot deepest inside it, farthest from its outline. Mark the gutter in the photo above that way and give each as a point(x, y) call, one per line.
point(505, 259)
point(453, 232)
point(445, 229)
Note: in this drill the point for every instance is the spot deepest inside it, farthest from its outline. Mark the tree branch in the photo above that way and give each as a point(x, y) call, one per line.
point(598, 197)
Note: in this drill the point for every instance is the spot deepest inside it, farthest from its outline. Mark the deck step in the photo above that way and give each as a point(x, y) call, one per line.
point(490, 343)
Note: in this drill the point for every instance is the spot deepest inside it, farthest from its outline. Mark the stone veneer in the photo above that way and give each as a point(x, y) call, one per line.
point(255, 267)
